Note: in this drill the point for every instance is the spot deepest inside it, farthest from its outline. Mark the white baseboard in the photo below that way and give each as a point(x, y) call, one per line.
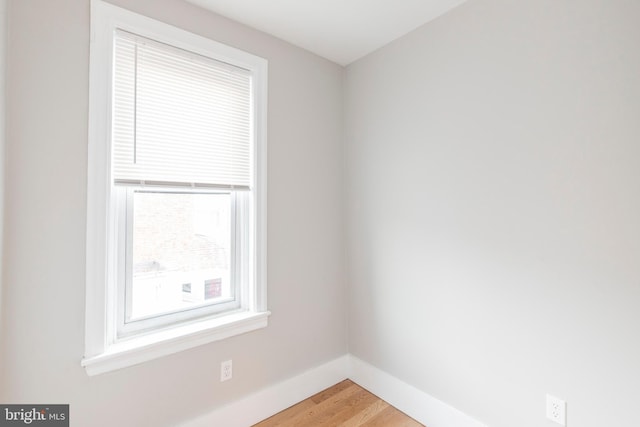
point(265, 403)
point(417, 404)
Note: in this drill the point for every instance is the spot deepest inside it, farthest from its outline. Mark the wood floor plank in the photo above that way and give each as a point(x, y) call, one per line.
point(391, 417)
point(331, 391)
point(370, 412)
point(346, 404)
point(358, 403)
point(324, 409)
point(282, 417)
point(334, 414)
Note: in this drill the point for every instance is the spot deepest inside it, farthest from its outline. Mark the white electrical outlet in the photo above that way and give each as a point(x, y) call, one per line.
point(557, 410)
point(226, 370)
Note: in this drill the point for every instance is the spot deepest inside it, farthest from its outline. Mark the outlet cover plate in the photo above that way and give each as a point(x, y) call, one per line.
point(226, 370)
point(557, 410)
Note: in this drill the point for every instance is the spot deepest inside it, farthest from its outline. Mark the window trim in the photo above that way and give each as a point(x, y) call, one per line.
point(103, 352)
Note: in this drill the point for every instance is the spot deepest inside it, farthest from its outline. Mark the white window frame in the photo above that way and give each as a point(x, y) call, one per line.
point(104, 351)
point(124, 242)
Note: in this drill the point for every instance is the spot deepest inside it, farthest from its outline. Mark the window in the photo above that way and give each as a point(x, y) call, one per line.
point(176, 191)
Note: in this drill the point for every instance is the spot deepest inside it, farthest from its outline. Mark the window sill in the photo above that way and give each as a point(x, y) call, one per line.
point(154, 345)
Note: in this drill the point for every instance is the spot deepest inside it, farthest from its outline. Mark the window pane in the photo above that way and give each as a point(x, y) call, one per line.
point(182, 255)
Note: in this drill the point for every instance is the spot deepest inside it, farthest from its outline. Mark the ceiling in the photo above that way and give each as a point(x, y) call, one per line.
point(339, 30)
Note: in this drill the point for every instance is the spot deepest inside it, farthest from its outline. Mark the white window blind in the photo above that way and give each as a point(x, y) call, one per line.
point(179, 118)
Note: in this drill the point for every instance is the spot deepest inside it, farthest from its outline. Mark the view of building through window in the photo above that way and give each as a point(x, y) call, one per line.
point(182, 253)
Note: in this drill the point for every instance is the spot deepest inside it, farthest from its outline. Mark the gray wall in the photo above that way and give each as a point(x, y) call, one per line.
point(3, 48)
point(494, 209)
point(43, 304)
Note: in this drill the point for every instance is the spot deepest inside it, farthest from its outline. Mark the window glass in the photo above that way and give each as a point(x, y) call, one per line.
point(182, 252)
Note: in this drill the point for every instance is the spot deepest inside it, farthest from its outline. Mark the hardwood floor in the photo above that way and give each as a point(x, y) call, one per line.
point(346, 404)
